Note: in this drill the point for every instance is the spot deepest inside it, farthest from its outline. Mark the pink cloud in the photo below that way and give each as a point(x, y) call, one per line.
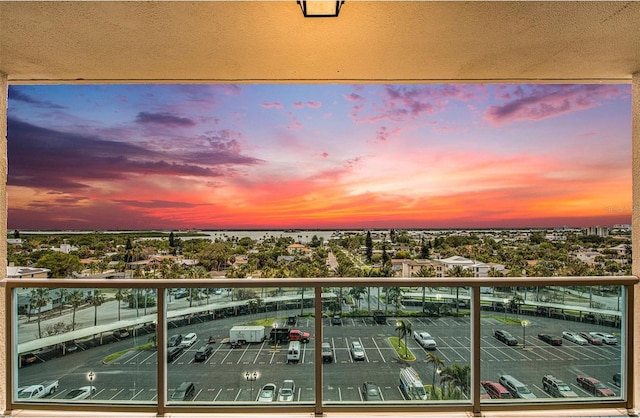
point(314, 105)
point(548, 101)
point(274, 105)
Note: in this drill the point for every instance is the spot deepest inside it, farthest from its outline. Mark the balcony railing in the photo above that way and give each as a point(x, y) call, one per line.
point(111, 346)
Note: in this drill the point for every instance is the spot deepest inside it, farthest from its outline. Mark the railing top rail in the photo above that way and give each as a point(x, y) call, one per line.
point(324, 282)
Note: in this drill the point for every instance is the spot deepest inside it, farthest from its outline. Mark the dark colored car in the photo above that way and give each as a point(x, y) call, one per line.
point(371, 392)
point(184, 392)
point(550, 339)
point(203, 353)
point(505, 337)
point(174, 340)
point(173, 353)
point(379, 317)
point(594, 386)
point(617, 377)
point(292, 320)
point(336, 320)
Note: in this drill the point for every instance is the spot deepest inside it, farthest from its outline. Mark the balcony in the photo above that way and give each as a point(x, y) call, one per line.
point(101, 346)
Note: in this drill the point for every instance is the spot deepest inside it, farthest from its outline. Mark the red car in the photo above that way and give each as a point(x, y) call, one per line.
point(594, 386)
point(592, 340)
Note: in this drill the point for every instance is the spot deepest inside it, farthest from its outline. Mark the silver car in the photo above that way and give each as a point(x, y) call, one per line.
point(357, 352)
point(425, 340)
point(574, 337)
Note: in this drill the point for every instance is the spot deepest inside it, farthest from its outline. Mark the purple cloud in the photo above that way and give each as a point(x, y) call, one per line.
point(16, 95)
point(163, 118)
point(547, 101)
point(60, 161)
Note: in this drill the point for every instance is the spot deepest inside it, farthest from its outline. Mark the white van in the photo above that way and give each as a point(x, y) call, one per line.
point(293, 353)
point(411, 385)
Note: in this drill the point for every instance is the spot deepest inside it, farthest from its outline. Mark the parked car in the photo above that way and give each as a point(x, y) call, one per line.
point(327, 353)
point(594, 386)
point(184, 392)
point(189, 340)
point(174, 340)
point(292, 320)
point(371, 392)
point(357, 352)
point(173, 353)
point(515, 387)
point(556, 387)
point(574, 337)
point(121, 333)
point(81, 393)
point(336, 320)
point(29, 358)
point(505, 337)
point(550, 339)
point(496, 390)
point(287, 391)
point(267, 393)
point(590, 338)
point(605, 337)
point(425, 340)
point(203, 353)
point(617, 378)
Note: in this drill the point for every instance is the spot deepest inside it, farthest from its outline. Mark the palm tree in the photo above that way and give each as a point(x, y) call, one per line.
point(120, 296)
point(394, 294)
point(75, 300)
point(437, 362)
point(96, 300)
point(404, 329)
point(356, 293)
point(458, 377)
point(425, 271)
point(61, 294)
point(39, 298)
point(459, 271)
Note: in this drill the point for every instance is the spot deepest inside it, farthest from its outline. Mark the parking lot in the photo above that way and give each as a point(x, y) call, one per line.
point(222, 378)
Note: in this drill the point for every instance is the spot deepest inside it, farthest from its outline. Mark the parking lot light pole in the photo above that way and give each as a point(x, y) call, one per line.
point(505, 308)
point(524, 324)
point(90, 376)
point(251, 377)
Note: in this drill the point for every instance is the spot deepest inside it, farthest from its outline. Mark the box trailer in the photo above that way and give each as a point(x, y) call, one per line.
point(243, 334)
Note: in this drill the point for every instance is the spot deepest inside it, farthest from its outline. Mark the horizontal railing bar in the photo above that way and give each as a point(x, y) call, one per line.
point(326, 282)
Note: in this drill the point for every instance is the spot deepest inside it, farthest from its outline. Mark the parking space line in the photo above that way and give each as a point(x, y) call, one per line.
point(243, 353)
point(238, 394)
point(258, 353)
point(117, 393)
point(378, 348)
point(136, 394)
point(155, 353)
point(484, 349)
point(196, 395)
point(215, 398)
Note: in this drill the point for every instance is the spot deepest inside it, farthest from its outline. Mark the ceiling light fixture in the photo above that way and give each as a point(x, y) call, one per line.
point(320, 8)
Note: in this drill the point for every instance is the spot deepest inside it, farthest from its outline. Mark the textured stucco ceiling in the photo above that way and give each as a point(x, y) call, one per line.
point(270, 41)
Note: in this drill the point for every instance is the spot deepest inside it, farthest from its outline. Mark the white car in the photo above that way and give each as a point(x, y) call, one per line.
point(81, 393)
point(574, 337)
point(605, 337)
point(267, 393)
point(425, 340)
point(189, 340)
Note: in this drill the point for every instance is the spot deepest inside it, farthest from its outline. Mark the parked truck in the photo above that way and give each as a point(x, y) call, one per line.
point(283, 335)
point(243, 334)
point(38, 391)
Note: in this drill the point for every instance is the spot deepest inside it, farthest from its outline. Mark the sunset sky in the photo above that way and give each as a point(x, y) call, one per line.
point(318, 156)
